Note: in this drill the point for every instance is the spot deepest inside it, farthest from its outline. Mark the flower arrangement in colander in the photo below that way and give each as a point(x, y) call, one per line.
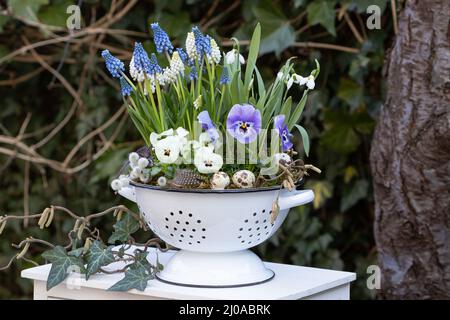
point(207, 116)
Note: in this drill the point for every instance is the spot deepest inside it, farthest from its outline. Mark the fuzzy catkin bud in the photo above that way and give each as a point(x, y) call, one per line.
point(24, 251)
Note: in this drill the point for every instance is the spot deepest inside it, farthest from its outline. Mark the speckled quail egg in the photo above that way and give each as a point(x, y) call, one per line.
point(244, 179)
point(220, 180)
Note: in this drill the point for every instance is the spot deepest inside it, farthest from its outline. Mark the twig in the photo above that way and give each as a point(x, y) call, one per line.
point(394, 15)
point(354, 30)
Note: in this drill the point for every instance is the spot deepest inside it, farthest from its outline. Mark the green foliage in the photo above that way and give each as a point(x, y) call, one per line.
point(339, 118)
point(135, 278)
point(123, 229)
point(98, 256)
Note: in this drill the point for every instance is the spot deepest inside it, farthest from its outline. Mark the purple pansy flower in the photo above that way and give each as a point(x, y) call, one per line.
point(283, 131)
point(244, 122)
point(207, 125)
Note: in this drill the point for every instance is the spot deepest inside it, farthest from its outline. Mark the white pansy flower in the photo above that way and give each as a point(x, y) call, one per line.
point(116, 185)
point(143, 163)
point(191, 49)
point(216, 55)
point(206, 141)
point(167, 150)
point(133, 157)
point(154, 137)
point(206, 161)
point(198, 102)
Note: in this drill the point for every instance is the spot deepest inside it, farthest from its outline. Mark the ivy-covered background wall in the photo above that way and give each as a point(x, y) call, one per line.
point(64, 131)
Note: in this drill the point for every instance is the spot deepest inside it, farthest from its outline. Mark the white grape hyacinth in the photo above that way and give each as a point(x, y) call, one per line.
point(207, 161)
point(138, 76)
point(191, 49)
point(215, 55)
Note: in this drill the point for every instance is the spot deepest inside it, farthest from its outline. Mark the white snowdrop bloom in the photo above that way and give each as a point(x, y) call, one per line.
point(188, 150)
point(198, 102)
point(216, 55)
point(135, 173)
point(138, 76)
point(162, 181)
point(280, 75)
point(191, 49)
point(241, 59)
point(116, 185)
point(143, 163)
point(231, 56)
point(310, 83)
point(206, 141)
point(133, 157)
point(290, 82)
point(154, 137)
point(206, 161)
point(167, 150)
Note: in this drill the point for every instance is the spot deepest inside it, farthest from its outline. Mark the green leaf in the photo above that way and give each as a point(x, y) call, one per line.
point(62, 265)
point(3, 21)
point(135, 278)
point(27, 9)
point(322, 12)
point(123, 229)
point(305, 138)
point(99, 255)
point(352, 195)
point(350, 92)
point(277, 33)
point(298, 111)
point(55, 14)
point(252, 56)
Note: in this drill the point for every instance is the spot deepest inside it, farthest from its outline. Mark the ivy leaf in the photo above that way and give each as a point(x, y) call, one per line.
point(135, 278)
point(123, 229)
point(26, 8)
point(277, 33)
point(62, 265)
point(350, 92)
point(352, 195)
point(97, 257)
point(322, 12)
point(55, 14)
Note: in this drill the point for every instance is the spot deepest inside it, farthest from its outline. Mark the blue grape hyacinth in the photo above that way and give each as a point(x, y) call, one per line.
point(161, 39)
point(202, 43)
point(183, 55)
point(125, 87)
point(114, 65)
point(140, 57)
point(224, 77)
point(154, 66)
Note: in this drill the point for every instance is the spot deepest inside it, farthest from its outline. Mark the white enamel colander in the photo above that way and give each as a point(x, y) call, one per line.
point(214, 230)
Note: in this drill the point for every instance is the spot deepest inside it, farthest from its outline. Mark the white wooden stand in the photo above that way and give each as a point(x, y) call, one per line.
point(290, 282)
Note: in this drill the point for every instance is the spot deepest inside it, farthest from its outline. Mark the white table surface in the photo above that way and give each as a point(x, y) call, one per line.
point(290, 282)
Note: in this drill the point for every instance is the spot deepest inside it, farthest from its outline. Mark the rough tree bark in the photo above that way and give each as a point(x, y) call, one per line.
point(410, 157)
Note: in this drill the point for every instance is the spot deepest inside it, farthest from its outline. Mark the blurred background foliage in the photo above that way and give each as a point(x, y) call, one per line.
point(56, 94)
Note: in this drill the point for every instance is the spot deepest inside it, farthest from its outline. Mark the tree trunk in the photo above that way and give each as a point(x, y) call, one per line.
point(410, 158)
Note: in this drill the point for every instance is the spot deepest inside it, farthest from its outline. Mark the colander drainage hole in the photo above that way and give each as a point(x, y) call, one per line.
point(198, 242)
point(180, 212)
point(167, 227)
point(199, 221)
point(184, 229)
point(175, 228)
point(181, 235)
point(203, 237)
point(257, 221)
point(264, 210)
point(190, 243)
point(240, 229)
point(178, 222)
point(254, 214)
point(167, 219)
point(242, 241)
point(190, 214)
point(171, 213)
point(246, 220)
point(171, 234)
point(203, 229)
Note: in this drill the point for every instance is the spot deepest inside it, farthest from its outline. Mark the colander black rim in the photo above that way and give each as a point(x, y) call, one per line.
point(181, 190)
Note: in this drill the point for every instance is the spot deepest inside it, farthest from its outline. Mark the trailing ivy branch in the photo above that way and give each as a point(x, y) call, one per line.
point(86, 253)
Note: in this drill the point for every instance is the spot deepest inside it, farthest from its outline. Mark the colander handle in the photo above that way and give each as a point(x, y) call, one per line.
point(295, 198)
point(128, 192)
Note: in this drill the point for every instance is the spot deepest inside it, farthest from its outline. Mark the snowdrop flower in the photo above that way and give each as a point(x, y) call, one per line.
point(230, 57)
point(280, 75)
point(216, 55)
point(190, 46)
point(125, 87)
point(162, 181)
point(114, 65)
point(143, 163)
point(198, 102)
point(206, 161)
point(161, 39)
point(116, 185)
point(167, 150)
point(289, 83)
point(133, 157)
point(309, 81)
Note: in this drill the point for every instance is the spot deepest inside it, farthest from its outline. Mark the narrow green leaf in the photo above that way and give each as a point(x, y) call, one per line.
point(252, 56)
point(305, 138)
point(298, 110)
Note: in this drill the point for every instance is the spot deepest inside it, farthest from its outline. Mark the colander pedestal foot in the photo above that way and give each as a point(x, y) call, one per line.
point(215, 270)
